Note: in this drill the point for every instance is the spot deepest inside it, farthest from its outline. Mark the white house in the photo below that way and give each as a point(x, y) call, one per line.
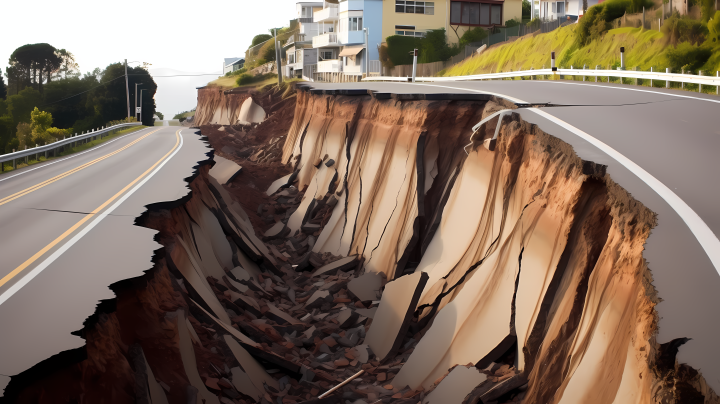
point(560, 10)
point(232, 64)
point(342, 47)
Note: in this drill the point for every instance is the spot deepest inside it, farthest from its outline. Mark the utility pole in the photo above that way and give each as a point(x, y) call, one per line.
point(141, 104)
point(277, 58)
point(127, 91)
point(136, 99)
point(414, 71)
point(367, 53)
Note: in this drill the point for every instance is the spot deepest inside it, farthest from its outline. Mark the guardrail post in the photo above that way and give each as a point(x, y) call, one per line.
point(622, 58)
point(667, 82)
point(682, 83)
point(596, 67)
point(26, 157)
point(45, 151)
point(14, 164)
point(552, 62)
point(717, 88)
point(700, 85)
point(651, 69)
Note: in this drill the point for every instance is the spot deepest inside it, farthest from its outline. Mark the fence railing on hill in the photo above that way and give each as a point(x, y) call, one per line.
point(637, 77)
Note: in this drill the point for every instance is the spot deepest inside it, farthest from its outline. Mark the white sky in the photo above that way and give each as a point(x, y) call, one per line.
point(178, 36)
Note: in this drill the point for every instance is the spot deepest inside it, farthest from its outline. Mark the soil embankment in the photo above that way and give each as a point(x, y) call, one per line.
point(355, 232)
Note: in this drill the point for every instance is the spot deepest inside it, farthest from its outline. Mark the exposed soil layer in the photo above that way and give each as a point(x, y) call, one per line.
point(368, 234)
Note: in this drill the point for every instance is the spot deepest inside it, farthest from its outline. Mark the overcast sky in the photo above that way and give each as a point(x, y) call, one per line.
point(174, 36)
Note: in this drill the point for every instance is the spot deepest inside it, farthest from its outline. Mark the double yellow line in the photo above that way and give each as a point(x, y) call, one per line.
point(87, 217)
point(69, 172)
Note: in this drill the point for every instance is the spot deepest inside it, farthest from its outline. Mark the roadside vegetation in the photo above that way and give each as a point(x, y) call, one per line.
point(20, 163)
point(42, 79)
point(683, 43)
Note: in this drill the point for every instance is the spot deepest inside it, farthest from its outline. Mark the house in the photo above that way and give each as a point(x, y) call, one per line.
point(232, 64)
point(561, 10)
point(414, 18)
point(349, 34)
point(301, 58)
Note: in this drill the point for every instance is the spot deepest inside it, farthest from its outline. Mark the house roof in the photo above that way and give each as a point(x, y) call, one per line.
point(232, 61)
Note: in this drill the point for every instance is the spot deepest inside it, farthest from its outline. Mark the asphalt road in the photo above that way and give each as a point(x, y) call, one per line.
point(661, 146)
point(68, 233)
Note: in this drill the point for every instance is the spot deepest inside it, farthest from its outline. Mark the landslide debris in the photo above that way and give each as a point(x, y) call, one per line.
point(349, 233)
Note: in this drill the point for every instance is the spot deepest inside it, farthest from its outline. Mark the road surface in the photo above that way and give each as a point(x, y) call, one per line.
point(661, 146)
point(68, 233)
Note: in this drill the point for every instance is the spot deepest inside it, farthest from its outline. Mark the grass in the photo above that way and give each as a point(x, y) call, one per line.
point(224, 82)
point(158, 123)
point(173, 123)
point(7, 166)
point(643, 49)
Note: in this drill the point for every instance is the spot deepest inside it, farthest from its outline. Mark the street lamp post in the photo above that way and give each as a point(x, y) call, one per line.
point(141, 103)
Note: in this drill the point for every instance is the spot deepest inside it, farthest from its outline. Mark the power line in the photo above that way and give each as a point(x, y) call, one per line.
point(75, 95)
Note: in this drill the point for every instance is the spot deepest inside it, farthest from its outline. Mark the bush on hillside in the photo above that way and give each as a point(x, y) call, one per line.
point(245, 79)
point(473, 35)
point(714, 28)
point(260, 39)
point(432, 48)
point(595, 22)
point(512, 23)
point(684, 29)
point(687, 56)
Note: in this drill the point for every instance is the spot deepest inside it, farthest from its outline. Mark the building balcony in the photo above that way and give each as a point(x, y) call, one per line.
point(351, 37)
point(329, 39)
point(329, 66)
point(327, 14)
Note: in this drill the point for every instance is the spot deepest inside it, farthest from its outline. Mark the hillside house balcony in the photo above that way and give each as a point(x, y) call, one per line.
point(329, 66)
point(329, 39)
point(327, 14)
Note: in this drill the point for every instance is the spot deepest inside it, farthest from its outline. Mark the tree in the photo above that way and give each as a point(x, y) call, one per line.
point(22, 104)
point(3, 89)
point(160, 115)
point(473, 35)
point(36, 59)
point(109, 100)
point(526, 9)
point(17, 79)
point(68, 65)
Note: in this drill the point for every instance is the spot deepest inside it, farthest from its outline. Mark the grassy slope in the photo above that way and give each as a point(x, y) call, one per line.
point(643, 49)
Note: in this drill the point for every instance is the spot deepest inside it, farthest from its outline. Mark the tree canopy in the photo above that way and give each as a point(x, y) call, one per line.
point(50, 91)
point(260, 39)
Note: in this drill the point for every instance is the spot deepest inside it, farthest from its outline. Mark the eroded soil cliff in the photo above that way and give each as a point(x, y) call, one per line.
point(353, 233)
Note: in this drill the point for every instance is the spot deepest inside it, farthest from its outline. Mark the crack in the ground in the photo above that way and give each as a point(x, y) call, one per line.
point(391, 214)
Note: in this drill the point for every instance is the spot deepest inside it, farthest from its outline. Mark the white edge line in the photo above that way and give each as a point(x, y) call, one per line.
point(55, 255)
point(702, 232)
point(633, 89)
point(71, 156)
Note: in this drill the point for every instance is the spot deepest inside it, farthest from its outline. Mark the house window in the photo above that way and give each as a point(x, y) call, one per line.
point(410, 33)
point(291, 58)
point(325, 55)
point(475, 13)
point(355, 24)
point(415, 7)
point(560, 8)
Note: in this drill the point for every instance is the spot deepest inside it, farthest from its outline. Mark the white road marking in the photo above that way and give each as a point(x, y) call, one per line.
point(636, 89)
point(54, 256)
point(702, 232)
point(71, 156)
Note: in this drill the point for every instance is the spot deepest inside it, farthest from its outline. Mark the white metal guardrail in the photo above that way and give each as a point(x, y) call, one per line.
point(633, 74)
point(53, 147)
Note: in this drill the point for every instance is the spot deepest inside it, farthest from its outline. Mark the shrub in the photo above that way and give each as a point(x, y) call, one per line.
point(512, 23)
point(433, 47)
point(244, 79)
point(269, 53)
point(595, 22)
point(714, 28)
point(476, 34)
point(260, 39)
point(687, 56)
point(684, 29)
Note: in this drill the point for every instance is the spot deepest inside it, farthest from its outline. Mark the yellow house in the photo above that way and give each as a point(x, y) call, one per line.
point(414, 18)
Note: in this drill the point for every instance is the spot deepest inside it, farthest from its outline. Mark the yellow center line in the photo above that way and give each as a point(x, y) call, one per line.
point(69, 231)
point(69, 172)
